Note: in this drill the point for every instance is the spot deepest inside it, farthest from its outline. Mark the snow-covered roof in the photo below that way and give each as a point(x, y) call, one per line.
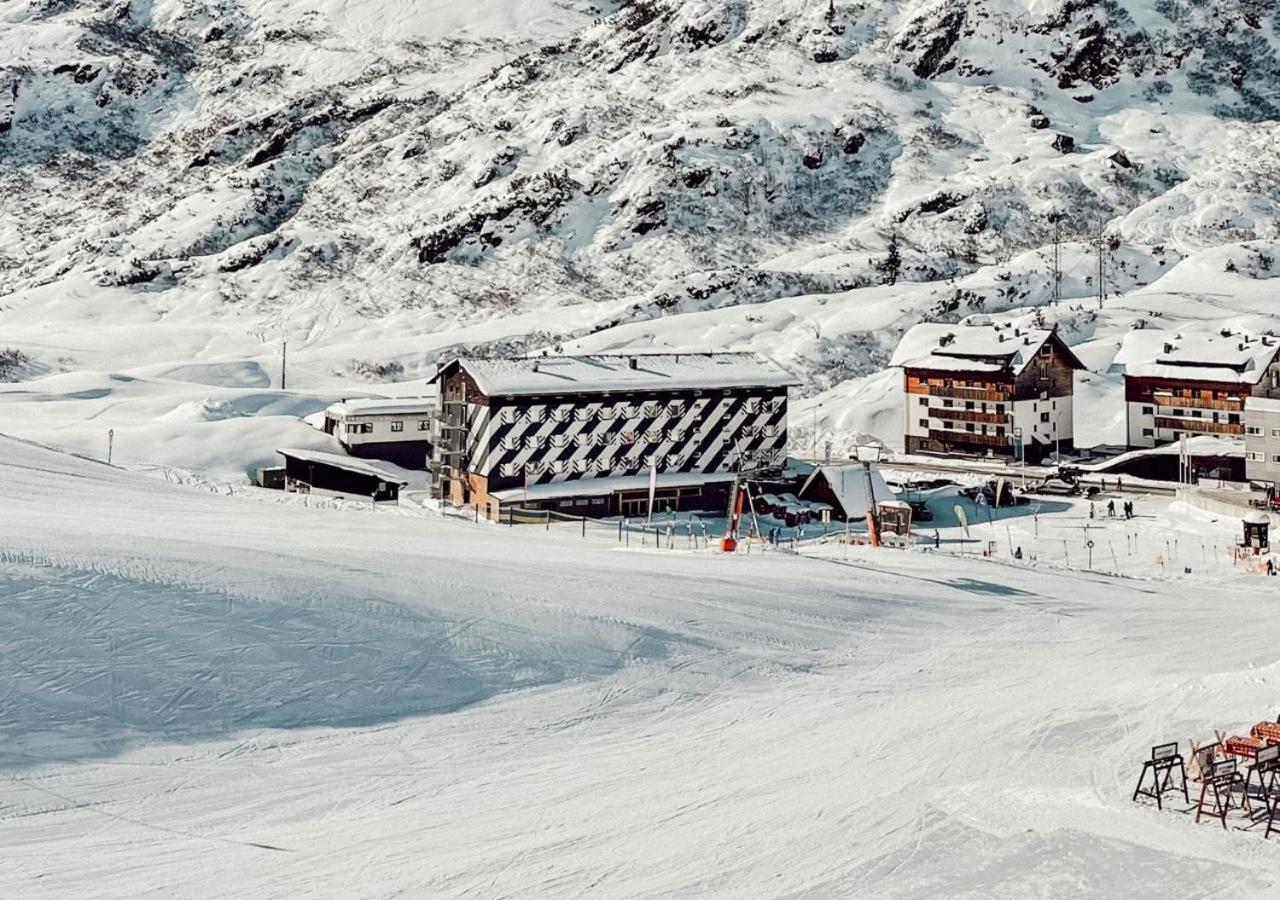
point(1199, 356)
point(969, 348)
point(849, 484)
point(600, 487)
point(1261, 404)
point(634, 372)
point(338, 461)
point(376, 406)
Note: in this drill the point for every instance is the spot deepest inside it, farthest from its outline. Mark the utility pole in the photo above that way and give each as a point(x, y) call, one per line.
point(815, 432)
point(284, 356)
point(1102, 272)
point(1057, 258)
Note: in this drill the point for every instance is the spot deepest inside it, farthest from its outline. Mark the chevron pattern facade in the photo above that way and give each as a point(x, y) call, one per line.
point(566, 439)
point(510, 442)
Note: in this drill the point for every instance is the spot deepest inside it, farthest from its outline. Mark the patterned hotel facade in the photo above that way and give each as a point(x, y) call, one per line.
point(525, 441)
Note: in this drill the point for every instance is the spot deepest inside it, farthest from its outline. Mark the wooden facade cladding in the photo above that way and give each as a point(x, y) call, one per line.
point(1189, 393)
point(946, 384)
point(1050, 373)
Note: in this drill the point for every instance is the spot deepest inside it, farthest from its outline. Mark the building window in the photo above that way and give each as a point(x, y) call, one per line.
point(653, 435)
point(924, 401)
point(752, 406)
point(968, 404)
point(535, 413)
point(1233, 418)
point(397, 426)
point(353, 429)
point(947, 403)
point(510, 469)
point(605, 413)
point(583, 413)
point(1250, 429)
point(924, 423)
point(676, 407)
point(968, 426)
point(1275, 457)
point(507, 415)
point(999, 431)
point(650, 411)
point(1275, 432)
point(1253, 455)
point(424, 425)
point(770, 431)
point(628, 437)
point(560, 414)
point(1044, 417)
point(1000, 408)
point(1147, 432)
point(1148, 411)
point(511, 442)
point(532, 442)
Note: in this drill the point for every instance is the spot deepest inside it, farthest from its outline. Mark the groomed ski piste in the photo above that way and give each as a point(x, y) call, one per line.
point(208, 695)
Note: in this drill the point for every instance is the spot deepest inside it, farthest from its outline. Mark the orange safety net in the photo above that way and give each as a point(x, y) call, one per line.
point(1243, 746)
point(1268, 731)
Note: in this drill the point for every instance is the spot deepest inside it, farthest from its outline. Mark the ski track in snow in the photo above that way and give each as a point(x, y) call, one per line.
point(209, 696)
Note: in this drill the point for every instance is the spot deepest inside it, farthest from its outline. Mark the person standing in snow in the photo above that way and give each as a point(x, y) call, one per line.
point(937, 539)
point(1091, 509)
point(1111, 509)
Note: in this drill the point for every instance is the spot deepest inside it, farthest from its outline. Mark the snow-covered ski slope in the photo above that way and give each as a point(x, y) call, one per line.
point(246, 696)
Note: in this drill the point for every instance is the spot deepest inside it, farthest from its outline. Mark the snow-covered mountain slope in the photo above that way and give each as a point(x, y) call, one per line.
point(385, 182)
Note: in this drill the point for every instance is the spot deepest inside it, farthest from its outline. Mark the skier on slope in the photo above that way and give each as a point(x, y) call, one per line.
point(1111, 509)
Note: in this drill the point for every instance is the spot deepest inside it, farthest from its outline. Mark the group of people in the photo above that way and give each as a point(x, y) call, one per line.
point(1126, 509)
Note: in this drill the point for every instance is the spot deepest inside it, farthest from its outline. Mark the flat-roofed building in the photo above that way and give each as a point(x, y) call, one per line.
point(586, 432)
point(1262, 439)
point(987, 390)
point(1196, 383)
point(395, 430)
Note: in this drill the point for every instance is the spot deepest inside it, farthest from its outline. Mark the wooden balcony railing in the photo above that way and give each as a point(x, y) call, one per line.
point(1200, 426)
point(968, 437)
point(1166, 400)
point(991, 395)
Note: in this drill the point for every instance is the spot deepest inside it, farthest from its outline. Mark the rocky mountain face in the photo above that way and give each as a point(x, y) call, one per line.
point(442, 164)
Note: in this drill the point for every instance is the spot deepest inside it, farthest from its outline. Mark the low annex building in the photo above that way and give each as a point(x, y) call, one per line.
point(987, 390)
point(332, 474)
point(585, 433)
point(395, 430)
point(1191, 384)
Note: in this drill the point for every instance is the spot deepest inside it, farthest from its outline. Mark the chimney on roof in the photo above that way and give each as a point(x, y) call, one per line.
point(632, 362)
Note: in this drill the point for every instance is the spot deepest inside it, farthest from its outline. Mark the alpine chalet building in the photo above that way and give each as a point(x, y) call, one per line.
point(1193, 384)
point(987, 390)
point(585, 434)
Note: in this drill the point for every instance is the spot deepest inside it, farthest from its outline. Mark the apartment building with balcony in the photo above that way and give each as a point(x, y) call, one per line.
point(1191, 384)
point(987, 390)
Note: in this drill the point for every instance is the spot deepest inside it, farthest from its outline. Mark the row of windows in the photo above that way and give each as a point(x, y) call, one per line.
point(1255, 456)
point(607, 463)
point(968, 404)
point(605, 439)
point(968, 426)
point(1258, 431)
point(651, 410)
point(367, 427)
